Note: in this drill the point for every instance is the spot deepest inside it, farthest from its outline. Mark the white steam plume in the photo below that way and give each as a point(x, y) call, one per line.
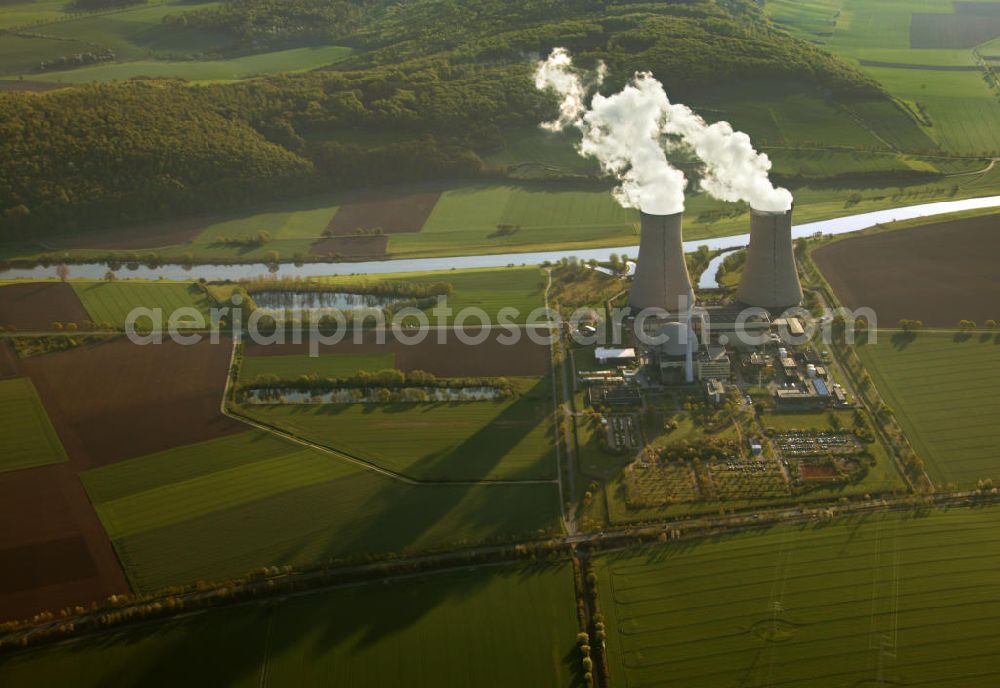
point(621, 131)
point(557, 73)
point(624, 131)
point(734, 170)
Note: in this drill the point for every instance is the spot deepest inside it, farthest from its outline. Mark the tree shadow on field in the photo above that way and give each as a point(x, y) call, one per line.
point(901, 340)
point(961, 337)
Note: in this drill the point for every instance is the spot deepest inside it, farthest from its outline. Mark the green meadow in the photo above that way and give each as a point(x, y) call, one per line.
point(218, 509)
point(501, 626)
point(111, 302)
point(942, 388)
point(246, 67)
point(885, 600)
point(447, 441)
point(27, 438)
point(963, 108)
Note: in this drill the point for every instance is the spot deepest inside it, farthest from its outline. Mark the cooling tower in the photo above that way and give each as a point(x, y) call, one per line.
point(661, 277)
point(770, 278)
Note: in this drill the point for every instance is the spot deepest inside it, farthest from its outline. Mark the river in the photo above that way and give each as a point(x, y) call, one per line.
point(840, 225)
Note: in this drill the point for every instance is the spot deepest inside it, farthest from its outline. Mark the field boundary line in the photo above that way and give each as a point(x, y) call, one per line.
point(357, 461)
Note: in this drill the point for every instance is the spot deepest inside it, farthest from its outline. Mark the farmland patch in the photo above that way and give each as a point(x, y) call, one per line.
point(35, 306)
point(114, 400)
point(391, 215)
point(27, 438)
point(943, 390)
point(437, 631)
point(452, 359)
point(54, 551)
point(938, 273)
point(111, 302)
point(471, 440)
point(811, 605)
point(369, 246)
point(218, 509)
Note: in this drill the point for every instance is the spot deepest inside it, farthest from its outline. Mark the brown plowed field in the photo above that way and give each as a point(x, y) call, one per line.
point(939, 273)
point(372, 246)
point(115, 400)
point(150, 236)
point(452, 359)
point(394, 214)
point(35, 306)
point(54, 551)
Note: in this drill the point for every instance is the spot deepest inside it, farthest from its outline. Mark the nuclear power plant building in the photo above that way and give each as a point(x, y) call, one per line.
point(661, 276)
point(770, 277)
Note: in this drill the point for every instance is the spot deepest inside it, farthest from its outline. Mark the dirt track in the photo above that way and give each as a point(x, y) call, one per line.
point(35, 306)
point(939, 273)
point(452, 359)
point(116, 400)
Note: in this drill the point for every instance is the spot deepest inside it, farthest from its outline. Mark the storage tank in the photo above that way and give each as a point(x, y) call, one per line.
point(661, 276)
point(770, 277)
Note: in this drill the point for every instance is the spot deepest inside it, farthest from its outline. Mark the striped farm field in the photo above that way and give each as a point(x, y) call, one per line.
point(943, 389)
point(494, 627)
point(475, 440)
point(111, 302)
point(27, 438)
point(218, 509)
point(885, 600)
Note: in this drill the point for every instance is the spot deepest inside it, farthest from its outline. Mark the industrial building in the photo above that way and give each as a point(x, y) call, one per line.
point(770, 277)
point(661, 275)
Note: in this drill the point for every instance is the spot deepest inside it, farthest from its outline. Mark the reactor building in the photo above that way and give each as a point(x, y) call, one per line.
point(770, 277)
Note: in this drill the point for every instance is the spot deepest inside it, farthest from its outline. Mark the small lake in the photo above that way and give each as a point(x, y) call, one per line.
point(296, 301)
point(840, 225)
point(370, 396)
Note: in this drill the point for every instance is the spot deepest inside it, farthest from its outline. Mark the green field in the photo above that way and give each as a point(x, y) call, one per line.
point(111, 302)
point(326, 365)
point(504, 626)
point(480, 440)
point(283, 61)
point(944, 393)
point(218, 509)
point(133, 33)
point(964, 112)
point(27, 438)
point(810, 606)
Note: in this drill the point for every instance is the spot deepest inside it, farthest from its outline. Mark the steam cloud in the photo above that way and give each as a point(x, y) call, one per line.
point(624, 133)
point(557, 73)
point(734, 170)
point(621, 131)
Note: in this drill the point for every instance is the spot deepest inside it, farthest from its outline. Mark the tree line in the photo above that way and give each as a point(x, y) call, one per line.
point(443, 80)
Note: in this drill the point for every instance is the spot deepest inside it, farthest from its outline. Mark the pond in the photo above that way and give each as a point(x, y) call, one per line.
point(370, 396)
point(295, 301)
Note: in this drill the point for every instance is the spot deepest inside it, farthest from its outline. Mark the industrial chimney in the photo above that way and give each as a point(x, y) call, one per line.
point(770, 278)
point(661, 276)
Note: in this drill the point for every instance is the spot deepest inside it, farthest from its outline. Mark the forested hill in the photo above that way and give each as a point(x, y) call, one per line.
point(437, 80)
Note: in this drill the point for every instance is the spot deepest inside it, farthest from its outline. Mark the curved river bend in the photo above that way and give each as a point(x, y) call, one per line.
point(841, 225)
